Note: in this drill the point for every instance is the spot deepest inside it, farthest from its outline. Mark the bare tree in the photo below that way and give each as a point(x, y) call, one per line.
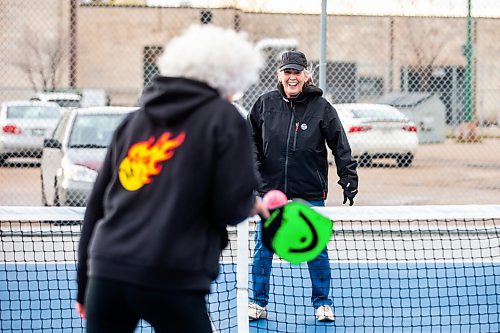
point(41, 58)
point(423, 43)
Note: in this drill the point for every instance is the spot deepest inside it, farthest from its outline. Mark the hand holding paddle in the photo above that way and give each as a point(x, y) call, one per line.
point(294, 231)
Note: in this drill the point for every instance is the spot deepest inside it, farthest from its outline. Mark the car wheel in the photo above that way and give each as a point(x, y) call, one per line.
point(365, 160)
point(56, 195)
point(404, 160)
point(44, 198)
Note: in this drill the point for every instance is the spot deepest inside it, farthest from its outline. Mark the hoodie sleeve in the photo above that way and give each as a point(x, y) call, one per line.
point(93, 213)
point(338, 143)
point(255, 125)
point(235, 179)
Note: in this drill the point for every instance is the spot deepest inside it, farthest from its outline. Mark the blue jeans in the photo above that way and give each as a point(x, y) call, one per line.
point(319, 271)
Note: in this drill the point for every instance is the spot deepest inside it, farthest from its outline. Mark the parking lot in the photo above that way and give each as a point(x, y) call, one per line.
point(448, 173)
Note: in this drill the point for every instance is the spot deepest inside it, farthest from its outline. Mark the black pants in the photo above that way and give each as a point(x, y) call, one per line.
point(115, 306)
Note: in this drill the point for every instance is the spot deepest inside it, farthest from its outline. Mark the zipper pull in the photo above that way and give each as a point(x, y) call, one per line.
point(296, 127)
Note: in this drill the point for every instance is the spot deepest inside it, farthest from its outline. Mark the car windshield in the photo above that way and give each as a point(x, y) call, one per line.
point(32, 112)
point(378, 114)
point(94, 131)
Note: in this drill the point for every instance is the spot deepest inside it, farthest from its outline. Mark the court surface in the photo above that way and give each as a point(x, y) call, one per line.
point(427, 296)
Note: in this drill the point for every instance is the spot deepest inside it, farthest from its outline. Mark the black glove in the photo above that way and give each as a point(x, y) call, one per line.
point(349, 193)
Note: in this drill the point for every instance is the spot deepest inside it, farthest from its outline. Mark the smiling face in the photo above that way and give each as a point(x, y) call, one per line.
point(293, 81)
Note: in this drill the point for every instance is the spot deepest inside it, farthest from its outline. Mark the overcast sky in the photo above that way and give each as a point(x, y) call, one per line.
point(453, 8)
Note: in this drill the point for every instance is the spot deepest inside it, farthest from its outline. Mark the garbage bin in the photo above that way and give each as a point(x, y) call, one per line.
point(426, 110)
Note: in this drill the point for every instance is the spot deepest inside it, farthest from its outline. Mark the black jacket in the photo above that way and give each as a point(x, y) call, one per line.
point(290, 149)
point(177, 172)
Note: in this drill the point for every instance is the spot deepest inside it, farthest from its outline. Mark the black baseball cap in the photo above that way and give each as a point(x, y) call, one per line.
point(293, 60)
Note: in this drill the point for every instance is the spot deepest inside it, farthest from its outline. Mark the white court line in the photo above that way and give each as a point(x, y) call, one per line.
point(447, 261)
point(214, 330)
point(39, 262)
point(426, 261)
point(278, 261)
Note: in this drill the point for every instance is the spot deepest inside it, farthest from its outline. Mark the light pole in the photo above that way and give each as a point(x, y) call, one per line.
point(322, 52)
point(468, 66)
point(468, 131)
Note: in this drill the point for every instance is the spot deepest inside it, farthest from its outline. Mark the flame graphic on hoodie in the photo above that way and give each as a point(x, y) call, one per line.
point(143, 160)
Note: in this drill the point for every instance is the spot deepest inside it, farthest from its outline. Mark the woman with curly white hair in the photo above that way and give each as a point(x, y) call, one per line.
point(177, 172)
point(221, 58)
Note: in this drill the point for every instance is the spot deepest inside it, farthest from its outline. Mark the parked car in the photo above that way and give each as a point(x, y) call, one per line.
point(24, 125)
point(378, 131)
point(75, 152)
point(64, 99)
point(241, 110)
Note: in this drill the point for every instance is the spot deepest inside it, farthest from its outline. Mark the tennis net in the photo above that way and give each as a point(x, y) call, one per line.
point(394, 269)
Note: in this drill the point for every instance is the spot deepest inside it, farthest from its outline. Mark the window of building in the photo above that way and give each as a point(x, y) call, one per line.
point(370, 86)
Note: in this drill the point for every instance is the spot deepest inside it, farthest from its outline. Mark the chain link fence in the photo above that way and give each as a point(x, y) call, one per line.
point(437, 62)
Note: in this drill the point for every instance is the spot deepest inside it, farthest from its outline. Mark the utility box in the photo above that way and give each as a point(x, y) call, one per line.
point(426, 110)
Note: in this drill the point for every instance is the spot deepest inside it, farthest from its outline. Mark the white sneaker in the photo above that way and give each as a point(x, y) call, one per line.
point(255, 311)
point(325, 313)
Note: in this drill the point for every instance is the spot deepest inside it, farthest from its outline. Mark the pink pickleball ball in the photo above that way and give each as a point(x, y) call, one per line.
point(274, 199)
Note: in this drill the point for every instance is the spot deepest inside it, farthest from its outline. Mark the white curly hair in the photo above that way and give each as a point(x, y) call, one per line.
point(222, 58)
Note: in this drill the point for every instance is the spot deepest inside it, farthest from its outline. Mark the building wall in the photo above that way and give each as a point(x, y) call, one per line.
point(111, 41)
point(487, 80)
point(22, 22)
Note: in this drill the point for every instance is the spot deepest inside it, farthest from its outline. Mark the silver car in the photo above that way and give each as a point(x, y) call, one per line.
point(241, 110)
point(24, 125)
point(75, 152)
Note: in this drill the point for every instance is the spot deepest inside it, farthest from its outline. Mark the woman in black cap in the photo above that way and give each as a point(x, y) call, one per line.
point(291, 129)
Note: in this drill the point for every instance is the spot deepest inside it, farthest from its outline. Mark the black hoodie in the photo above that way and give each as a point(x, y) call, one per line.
point(177, 172)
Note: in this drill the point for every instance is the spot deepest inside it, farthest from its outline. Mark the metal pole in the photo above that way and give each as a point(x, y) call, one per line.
point(242, 261)
point(72, 43)
point(468, 66)
point(322, 53)
point(474, 70)
point(391, 54)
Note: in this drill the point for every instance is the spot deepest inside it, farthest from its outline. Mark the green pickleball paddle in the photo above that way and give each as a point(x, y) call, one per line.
point(296, 232)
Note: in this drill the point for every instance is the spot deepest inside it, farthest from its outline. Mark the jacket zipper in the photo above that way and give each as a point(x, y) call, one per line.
point(295, 135)
point(323, 183)
point(297, 124)
point(290, 126)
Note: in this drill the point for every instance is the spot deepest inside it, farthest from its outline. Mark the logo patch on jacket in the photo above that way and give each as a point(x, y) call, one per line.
point(143, 160)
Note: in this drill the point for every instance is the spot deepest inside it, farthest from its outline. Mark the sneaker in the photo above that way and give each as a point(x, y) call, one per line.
point(255, 311)
point(325, 313)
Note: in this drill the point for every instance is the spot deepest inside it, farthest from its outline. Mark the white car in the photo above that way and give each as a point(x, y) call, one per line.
point(64, 99)
point(75, 152)
point(24, 125)
point(241, 110)
point(378, 131)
